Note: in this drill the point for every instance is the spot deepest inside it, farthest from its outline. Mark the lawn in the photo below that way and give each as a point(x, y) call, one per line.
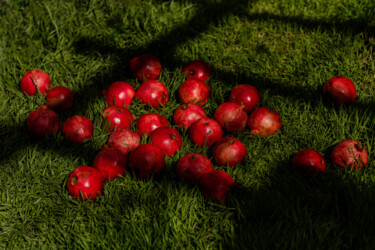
point(287, 49)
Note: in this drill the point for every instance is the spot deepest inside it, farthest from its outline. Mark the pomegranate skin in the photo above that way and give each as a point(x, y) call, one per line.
point(192, 167)
point(188, 113)
point(308, 162)
point(84, 183)
point(246, 95)
point(124, 140)
point(216, 185)
point(339, 90)
point(264, 121)
point(167, 139)
point(349, 153)
point(60, 98)
point(117, 117)
point(197, 69)
point(119, 93)
point(229, 151)
point(153, 93)
point(146, 160)
point(147, 123)
point(42, 122)
point(78, 129)
point(145, 67)
point(111, 163)
point(35, 79)
point(193, 90)
point(205, 131)
point(231, 117)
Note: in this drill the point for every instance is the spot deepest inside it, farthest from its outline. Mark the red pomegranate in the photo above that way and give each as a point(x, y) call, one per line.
point(60, 98)
point(229, 151)
point(246, 95)
point(193, 90)
point(153, 93)
point(111, 163)
point(33, 80)
point(216, 185)
point(147, 123)
point(231, 116)
point(198, 70)
point(308, 162)
point(264, 121)
point(42, 121)
point(188, 113)
point(117, 117)
point(339, 90)
point(205, 131)
point(167, 139)
point(84, 183)
point(77, 129)
point(119, 93)
point(349, 153)
point(192, 167)
point(145, 67)
point(124, 140)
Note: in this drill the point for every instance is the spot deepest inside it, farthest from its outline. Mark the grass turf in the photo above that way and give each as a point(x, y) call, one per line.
point(287, 49)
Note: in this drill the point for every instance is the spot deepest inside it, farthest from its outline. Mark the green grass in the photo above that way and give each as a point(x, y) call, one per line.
point(287, 49)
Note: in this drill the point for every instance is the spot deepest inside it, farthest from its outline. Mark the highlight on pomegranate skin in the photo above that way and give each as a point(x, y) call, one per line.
point(85, 183)
point(246, 95)
point(35, 80)
point(153, 93)
point(192, 167)
point(349, 153)
point(339, 90)
point(205, 131)
point(167, 139)
point(124, 140)
point(196, 91)
point(119, 93)
point(147, 123)
point(60, 98)
point(308, 162)
point(111, 163)
point(197, 69)
point(117, 117)
point(78, 129)
point(231, 117)
point(264, 121)
point(188, 113)
point(229, 151)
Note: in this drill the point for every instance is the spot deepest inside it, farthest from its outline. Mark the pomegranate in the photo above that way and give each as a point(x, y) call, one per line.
point(124, 140)
point(117, 117)
point(42, 121)
point(229, 151)
point(246, 95)
point(60, 98)
point(33, 80)
point(111, 163)
point(188, 113)
point(198, 70)
point(78, 128)
point(216, 185)
point(339, 90)
point(119, 93)
point(205, 131)
point(84, 183)
point(349, 153)
point(146, 160)
point(167, 139)
point(192, 167)
point(193, 90)
point(153, 93)
point(308, 162)
point(231, 116)
point(145, 67)
point(147, 123)
point(264, 121)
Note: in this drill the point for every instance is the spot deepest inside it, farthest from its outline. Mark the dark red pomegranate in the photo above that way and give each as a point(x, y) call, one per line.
point(111, 163)
point(308, 162)
point(145, 67)
point(124, 140)
point(117, 117)
point(229, 151)
point(77, 128)
point(339, 90)
point(205, 131)
point(84, 183)
point(119, 93)
point(147, 123)
point(146, 160)
point(153, 93)
point(216, 185)
point(42, 121)
point(167, 139)
point(264, 121)
point(193, 90)
point(349, 153)
point(246, 95)
point(188, 113)
point(198, 70)
point(33, 80)
point(60, 98)
point(231, 116)
point(192, 167)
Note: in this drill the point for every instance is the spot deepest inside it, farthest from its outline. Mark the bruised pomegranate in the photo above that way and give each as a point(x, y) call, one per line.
point(349, 153)
point(111, 163)
point(145, 67)
point(188, 113)
point(192, 167)
point(119, 93)
point(33, 80)
point(339, 90)
point(231, 116)
point(229, 151)
point(264, 121)
point(78, 128)
point(205, 131)
point(167, 139)
point(198, 70)
point(124, 140)
point(84, 183)
point(60, 98)
point(117, 117)
point(153, 93)
point(246, 95)
point(147, 123)
point(147, 160)
point(216, 185)
point(193, 90)
point(42, 121)
point(308, 162)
